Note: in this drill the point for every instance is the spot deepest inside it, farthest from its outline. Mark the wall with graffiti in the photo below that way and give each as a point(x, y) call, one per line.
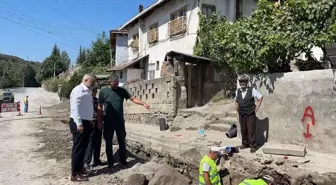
point(298, 108)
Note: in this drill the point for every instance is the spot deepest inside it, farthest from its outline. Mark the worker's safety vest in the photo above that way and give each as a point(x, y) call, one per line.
point(25, 100)
point(214, 176)
point(253, 182)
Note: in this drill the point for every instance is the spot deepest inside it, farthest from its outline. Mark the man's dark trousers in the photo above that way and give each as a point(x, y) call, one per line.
point(110, 126)
point(80, 143)
point(248, 129)
point(94, 145)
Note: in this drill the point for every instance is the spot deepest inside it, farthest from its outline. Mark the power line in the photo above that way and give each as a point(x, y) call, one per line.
point(34, 31)
point(39, 24)
point(65, 16)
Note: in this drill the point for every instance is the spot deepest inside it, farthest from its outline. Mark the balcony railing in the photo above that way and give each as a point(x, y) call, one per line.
point(153, 35)
point(135, 44)
point(177, 26)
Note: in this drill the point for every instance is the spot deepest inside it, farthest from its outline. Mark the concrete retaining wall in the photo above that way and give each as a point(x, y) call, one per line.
point(290, 96)
point(165, 95)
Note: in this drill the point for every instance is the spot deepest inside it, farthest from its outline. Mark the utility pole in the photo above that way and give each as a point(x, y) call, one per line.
point(23, 74)
point(54, 69)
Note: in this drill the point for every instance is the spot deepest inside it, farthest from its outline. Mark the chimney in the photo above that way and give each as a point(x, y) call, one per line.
point(140, 8)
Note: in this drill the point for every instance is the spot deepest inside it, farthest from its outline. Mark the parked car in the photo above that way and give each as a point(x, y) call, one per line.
point(8, 96)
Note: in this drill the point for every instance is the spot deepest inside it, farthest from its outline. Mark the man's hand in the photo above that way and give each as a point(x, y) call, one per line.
point(236, 103)
point(257, 108)
point(146, 106)
point(80, 128)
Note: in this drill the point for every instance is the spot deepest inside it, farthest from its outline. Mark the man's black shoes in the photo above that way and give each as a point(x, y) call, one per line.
point(253, 150)
point(244, 146)
point(97, 163)
point(110, 165)
point(124, 164)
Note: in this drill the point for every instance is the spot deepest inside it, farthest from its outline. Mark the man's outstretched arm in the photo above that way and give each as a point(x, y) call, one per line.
point(139, 102)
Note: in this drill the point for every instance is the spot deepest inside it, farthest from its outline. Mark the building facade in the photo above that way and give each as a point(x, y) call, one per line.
point(171, 25)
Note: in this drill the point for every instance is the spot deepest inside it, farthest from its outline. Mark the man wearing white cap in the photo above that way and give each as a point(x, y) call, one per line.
point(265, 180)
point(208, 173)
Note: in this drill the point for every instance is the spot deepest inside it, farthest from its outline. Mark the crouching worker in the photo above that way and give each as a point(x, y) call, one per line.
point(265, 180)
point(208, 173)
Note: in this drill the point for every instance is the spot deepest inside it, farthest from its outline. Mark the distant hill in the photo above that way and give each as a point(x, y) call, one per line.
point(17, 72)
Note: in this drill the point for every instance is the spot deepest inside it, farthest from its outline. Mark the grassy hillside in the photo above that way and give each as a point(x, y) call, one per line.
point(17, 72)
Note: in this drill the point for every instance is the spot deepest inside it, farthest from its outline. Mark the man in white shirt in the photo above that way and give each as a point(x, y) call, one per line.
point(81, 116)
point(247, 107)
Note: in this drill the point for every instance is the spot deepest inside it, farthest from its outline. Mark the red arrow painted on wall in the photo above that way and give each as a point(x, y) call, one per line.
point(307, 135)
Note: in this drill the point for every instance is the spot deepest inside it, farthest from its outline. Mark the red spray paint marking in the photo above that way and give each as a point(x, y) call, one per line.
point(307, 135)
point(310, 114)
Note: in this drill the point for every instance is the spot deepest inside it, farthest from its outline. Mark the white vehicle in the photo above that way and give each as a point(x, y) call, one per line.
point(1, 96)
point(7, 96)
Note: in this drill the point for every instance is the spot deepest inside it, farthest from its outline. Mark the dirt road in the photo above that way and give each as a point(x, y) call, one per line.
point(20, 161)
point(36, 149)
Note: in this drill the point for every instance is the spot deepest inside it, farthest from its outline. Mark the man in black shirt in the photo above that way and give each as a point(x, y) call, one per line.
point(111, 112)
point(246, 108)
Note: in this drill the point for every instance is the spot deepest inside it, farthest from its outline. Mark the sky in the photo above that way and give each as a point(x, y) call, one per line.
point(30, 28)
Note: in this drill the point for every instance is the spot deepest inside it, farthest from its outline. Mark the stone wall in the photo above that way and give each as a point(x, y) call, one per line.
point(295, 103)
point(164, 95)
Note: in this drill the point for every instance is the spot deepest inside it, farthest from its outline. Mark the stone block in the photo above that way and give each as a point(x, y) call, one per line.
point(283, 149)
point(136, 179)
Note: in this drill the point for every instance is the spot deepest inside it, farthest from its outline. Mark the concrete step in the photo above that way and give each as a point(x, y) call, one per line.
point(220, 127)
point(227, 121)
point(232, 114)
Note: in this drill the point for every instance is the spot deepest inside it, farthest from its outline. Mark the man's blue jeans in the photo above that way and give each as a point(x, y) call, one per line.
point(26, 108)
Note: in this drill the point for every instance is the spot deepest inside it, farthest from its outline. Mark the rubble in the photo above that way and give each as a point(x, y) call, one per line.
point(267, 159)
point(136, 179)
point(302, 161)
point(168, 176)
point(280, 161)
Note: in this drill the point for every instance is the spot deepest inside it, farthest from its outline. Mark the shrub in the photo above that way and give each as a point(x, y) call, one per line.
point(52, 84)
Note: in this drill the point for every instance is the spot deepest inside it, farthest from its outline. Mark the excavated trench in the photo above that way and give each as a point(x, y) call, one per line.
point(236, 171)
point(190, 170)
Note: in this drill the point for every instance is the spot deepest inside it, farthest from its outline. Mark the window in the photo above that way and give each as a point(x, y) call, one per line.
point(157, 65)
point(153, 26)
point(153, 33)
point(177, 24)
point(135, 36)
point(121, 74)
point(135, 41)
point(239, 9)
point(208, 9)
point(180, 13)
point(151, 74)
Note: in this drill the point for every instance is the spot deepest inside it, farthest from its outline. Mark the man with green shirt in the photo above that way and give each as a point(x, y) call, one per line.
point(265, 180)
point(208, 173)
point(111, 112)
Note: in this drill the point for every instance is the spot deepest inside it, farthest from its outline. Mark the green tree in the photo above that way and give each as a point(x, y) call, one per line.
point(81, 56)
point(270, 38)
point(15, 72)
point(29, 76)
point(54, 64)
point(99, 54)
point(65, 60)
